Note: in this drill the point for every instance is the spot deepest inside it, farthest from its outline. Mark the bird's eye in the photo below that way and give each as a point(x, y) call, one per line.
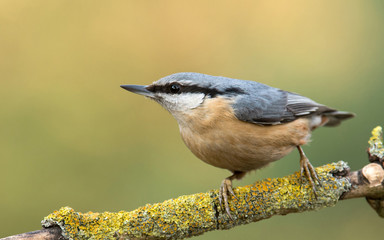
point(174, 88)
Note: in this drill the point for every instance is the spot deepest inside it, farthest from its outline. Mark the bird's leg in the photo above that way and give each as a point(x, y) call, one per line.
point(307, 169)
point(226, 187)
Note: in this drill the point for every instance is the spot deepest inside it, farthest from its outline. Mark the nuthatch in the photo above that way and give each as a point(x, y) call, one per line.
point(239, 125)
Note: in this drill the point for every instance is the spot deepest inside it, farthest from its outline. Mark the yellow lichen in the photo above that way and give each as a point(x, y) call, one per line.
point(192, 215)
point(376, 147)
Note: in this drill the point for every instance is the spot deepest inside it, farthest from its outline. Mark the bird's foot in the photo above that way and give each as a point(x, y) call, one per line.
point(225, 188)
point(309, 171)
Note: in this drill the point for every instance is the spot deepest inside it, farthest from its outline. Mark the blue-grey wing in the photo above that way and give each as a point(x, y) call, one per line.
point(271, 106)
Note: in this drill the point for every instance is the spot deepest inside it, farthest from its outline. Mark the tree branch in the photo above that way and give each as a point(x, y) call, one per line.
point(52, 233)
point(195, 214)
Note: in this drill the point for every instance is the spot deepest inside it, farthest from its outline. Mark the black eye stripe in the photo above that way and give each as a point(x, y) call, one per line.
point(176, 88)
point(167, 88)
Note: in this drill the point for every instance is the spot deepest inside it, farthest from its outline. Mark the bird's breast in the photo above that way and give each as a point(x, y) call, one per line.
point(216, 136)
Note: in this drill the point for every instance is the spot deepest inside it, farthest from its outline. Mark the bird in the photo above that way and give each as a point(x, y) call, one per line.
point(240, 125)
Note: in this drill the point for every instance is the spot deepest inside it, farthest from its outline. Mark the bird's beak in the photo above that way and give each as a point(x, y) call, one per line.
point(138, 89)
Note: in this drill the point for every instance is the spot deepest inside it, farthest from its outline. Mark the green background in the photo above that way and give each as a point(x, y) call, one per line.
point(70, 136)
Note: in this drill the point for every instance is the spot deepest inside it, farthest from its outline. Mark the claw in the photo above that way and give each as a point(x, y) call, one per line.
point(308, 170)
point(225, 188)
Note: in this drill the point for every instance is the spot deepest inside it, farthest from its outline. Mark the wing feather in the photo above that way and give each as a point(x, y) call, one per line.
point(274, 106)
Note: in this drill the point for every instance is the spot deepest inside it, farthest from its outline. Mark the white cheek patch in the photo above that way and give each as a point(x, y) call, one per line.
point(180, 102)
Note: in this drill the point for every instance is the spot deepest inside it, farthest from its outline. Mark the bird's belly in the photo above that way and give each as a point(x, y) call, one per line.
point(241, 146)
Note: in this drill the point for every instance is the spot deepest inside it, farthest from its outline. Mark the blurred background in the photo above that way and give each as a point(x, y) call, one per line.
point(70, 136)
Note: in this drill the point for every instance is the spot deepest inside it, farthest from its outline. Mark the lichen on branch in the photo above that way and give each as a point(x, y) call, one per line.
point(195, 214)
point(376, 148)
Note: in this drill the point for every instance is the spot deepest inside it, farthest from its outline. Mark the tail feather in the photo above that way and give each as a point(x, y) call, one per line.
point(336, 117)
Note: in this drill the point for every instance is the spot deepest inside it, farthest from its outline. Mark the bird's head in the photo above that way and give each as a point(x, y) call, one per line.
point(182, 92)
